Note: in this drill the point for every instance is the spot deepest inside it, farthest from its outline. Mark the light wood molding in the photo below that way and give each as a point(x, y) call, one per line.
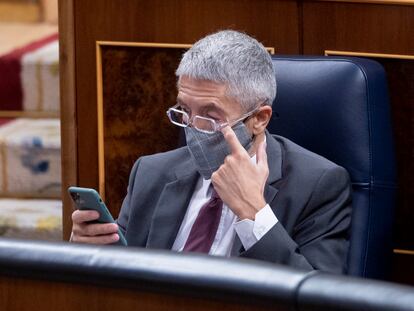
point(365, 54)
point(271, 50)
point(389, 2)
point(99, 92)
point(404, 251)
point(144, 44)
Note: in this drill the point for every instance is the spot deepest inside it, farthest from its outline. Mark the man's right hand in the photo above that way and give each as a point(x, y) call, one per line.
point(85, 231)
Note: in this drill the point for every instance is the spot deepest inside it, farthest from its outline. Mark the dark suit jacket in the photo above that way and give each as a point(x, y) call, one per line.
point(310, 196)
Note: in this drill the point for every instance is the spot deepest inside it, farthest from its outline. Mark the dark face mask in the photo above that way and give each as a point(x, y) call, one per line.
point(208, 151)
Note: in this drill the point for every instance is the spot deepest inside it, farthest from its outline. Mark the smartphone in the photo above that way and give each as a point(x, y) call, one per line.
point(89, 199)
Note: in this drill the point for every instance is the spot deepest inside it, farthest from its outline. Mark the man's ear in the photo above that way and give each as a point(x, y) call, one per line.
point(260, 119)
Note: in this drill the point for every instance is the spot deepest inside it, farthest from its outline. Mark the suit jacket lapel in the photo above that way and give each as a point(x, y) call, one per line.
point(274, 160)
point(171, 207)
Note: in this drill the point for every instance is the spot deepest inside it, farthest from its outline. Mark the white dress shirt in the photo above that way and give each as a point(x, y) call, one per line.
point(249, 231)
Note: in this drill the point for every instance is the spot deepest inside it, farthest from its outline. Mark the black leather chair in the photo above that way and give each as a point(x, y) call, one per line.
point(338, 107)
point(41, 268)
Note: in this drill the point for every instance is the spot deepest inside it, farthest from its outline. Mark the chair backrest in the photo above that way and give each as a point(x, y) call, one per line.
point(338, 107)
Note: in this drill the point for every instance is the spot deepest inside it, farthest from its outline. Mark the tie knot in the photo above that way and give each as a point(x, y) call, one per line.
point(214, 194)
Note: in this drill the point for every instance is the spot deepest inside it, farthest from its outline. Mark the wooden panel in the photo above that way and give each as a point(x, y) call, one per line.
point(24, 294)
point(67, 108)
point(138, 86)
point(167, 22)
point(357, 27)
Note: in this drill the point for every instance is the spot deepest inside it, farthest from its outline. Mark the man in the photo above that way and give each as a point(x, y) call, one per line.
point(234, 190)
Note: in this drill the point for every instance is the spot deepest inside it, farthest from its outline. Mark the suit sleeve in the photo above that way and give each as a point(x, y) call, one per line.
point(123, 218)
point(320, 239)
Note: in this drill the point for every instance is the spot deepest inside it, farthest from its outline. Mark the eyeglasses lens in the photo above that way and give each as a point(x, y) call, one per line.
point(179, 117)
point(204, 125)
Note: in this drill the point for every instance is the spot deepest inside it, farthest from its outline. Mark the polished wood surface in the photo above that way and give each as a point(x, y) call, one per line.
point(355, 27)
point(138, 85)
point(69, 150)
point(18, 294)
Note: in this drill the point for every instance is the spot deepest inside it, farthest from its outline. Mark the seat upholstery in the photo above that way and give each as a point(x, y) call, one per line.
point(338, 107)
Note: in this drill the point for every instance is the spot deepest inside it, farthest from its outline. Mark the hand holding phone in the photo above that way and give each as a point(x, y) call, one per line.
point(98, 231)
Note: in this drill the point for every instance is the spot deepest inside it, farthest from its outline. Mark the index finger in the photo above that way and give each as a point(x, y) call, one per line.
point(79, 216)
point(232, 140)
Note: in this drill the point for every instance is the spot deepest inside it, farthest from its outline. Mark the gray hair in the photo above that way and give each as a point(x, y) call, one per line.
point(235, 59)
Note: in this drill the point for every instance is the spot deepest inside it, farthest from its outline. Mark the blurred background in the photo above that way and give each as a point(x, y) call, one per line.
point(30, 161)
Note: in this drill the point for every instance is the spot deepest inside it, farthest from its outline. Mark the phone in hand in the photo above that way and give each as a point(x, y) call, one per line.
point(89, 199)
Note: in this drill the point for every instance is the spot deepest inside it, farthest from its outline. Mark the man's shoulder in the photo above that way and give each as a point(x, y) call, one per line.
point(167, 156)
point(164, 163)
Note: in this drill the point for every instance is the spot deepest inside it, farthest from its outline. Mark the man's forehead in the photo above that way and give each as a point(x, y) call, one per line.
point(205, 93)
point(200, 86)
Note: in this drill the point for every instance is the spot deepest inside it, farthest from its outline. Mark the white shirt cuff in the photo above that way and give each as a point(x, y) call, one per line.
point(250, 231)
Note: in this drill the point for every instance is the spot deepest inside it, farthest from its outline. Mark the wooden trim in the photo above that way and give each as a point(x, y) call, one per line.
point(388, 2)
point(364, 54)
point(101, 129)
point(29, 114)
point(69, 149)
point(99, 90)
point(271, 50)
point(404, 251)
point(144, 44)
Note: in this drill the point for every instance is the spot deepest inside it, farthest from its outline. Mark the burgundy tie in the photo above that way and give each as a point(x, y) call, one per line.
point(204, 229)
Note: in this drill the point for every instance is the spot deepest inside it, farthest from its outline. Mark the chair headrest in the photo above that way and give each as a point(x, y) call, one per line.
point(337, 107)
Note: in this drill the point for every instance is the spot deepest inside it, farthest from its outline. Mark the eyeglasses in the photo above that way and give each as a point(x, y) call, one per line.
point(206, 125)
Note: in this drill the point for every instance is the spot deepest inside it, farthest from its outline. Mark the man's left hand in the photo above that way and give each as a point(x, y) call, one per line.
point(239, 182)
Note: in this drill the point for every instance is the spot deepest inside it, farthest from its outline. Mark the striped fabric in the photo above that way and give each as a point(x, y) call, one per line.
point(29, 77)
